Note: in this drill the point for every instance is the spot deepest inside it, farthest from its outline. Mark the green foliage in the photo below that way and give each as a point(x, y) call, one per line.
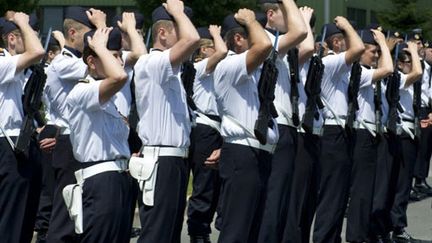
point(205, 12)
point(406, 15)
point(26, 6)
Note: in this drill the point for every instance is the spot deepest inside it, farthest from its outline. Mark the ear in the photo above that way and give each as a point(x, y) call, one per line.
point(71, 33)
point(91, 62)
point(237, 39)
point(162, 33)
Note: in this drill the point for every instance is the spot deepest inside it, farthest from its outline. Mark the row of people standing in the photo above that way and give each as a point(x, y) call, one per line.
point(268, 190)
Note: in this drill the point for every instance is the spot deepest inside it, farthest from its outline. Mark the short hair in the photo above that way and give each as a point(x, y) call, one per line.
point(329, 40)
point(166, 24)
point(69, 24)
point(269, 6)
point(5, 36)
point(198, 56)
point(229, 36)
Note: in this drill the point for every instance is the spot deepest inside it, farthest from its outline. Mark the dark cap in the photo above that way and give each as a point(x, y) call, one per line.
point(269, 1)
point(139, 18)
point(7, 26)
point(415, 34)
point(230, 22)
point(367, 37)
point(375, 26)
point(331, 29)
point(204, 33)
point(160, 13)
point(394, 34)
point(78, 14)
point(114, 39)
point(53, 41)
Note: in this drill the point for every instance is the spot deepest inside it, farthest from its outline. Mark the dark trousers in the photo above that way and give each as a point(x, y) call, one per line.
point(20, 182)
point(45, 202)
point(163, 221)
point(105, 198)
point(362, 186)
point(304, 190)
point(61, 227)
point(206, 181)
point(409, 156)
point(421, 169)
point(279, 186)
point(244, 172)
point(388, 163)
point(334, 174)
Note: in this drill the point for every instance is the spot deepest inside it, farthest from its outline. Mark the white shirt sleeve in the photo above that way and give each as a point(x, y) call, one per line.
point(366, 77)
point(200, 68)
point(8, 67)
point(403, 80)
point(85, 96)
point(335, 64)
point(69, 69)
point(236, 69)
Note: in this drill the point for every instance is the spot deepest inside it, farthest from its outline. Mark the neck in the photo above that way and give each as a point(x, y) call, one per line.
point(159, 46)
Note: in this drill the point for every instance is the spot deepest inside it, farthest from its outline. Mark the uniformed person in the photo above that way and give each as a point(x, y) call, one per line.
point(411, 71)
point(304, 190)
point(244, 166)
point(20, 176)
point(375, 67)
point(421, 168)
point(46, 145)
point(283, 17)
point(164, 125)
point(99, 139)
point(335, 159)
point(62, 75)
point(206, 140)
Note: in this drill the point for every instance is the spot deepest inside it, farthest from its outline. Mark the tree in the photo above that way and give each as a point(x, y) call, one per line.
point(26, 6)
point(405, 16)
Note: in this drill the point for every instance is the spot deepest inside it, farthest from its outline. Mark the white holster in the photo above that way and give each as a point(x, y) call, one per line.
point(144, 169)
point(72, 194)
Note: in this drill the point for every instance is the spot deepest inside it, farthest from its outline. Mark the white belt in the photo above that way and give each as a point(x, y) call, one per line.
point(281, 119)
point(205, 120)
point(315, 130)
point(406, 126)
point(72, 194)
point(333, 121)
point(117, 165)
point(166, 151)
point(65, 131)
point(371, 128)
point(10, 133)
point(251, 142)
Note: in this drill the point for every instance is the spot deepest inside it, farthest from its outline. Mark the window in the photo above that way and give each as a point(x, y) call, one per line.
point(358, 16)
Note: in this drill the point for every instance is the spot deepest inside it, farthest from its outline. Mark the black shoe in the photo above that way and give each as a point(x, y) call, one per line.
point(416, 196)
point(41, 237)
point(401, 236)
point(200, 239)
point(384, 239)
point(135, 232)
point(423, 188)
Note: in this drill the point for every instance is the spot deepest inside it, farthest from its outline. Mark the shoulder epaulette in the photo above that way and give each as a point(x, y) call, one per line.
point(64, 53)
point(2, 53)
point(86, 81)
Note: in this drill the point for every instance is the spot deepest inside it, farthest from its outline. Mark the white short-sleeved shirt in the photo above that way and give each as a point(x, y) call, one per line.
point(161, 101)
point(406, 99)
point(283, 83)
point(426, 86)
point(365, 97)
point(11, 91)
point(62, 75)
point(98, 131)
point(123, 98)
point(237, 96)
point(304, 69)
point(203, 88)
point(334, 85)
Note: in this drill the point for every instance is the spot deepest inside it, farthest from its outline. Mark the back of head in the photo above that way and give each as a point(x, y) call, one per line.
point(162, 19)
